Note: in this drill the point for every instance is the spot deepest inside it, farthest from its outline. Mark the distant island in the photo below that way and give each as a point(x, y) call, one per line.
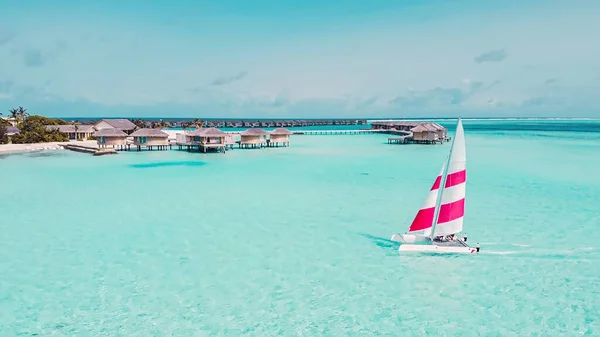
point(19, 127)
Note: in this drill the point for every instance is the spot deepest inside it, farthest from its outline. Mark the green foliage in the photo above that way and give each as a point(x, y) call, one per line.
point(33, 130)
point(3, 136)
point(46, 121)
point(19, 114)
point(4, 122)
point(140, 123)
point(197, 123)
point(159, 125)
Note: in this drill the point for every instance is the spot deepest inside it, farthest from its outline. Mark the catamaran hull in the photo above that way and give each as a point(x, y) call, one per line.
point(409, 238)
point(408, 248)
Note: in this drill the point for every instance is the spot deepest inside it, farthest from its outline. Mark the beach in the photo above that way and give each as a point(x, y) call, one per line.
point(17, 148)
point(295, 240)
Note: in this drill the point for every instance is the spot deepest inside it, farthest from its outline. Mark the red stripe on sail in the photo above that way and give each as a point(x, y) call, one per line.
point(453, 179)
point(451, 211)
point(423, 219)
point(456, 178)
point(436, 183)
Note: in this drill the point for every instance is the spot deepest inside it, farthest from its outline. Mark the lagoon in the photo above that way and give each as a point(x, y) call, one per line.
point(294, 241)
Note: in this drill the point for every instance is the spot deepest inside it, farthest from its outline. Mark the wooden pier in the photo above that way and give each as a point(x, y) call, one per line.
point(337, 132)
point(409, 139)
point(88, 149)
point(80, 148)
point(205, 148)
point(153, 147)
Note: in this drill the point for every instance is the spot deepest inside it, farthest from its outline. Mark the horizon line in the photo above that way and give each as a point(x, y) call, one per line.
point(325, 118)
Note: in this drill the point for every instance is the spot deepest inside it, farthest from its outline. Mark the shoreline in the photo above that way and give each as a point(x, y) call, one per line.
point(35, 147)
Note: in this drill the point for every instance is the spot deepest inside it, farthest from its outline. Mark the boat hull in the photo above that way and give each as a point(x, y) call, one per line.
point(410, 248)
point(409, 238)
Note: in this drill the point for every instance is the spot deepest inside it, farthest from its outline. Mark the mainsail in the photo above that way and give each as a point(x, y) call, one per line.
point(424, 218)
point(450, 210)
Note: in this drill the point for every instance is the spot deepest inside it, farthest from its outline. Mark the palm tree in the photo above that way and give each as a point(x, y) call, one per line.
point(76, 126)
point(198, 123)
point(19, 114)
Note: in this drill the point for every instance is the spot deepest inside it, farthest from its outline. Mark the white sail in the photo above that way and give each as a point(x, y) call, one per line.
point(451, 209)
point(423, 220)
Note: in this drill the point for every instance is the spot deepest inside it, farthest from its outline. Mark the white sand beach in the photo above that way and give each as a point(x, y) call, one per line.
point(16, 148)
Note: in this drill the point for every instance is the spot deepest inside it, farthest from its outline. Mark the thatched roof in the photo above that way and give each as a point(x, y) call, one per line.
point(85, 128)
point(281, 131)
point(12, 130)
point(120, 123)
point(151, 133)
point(438, 127)
point(207, 132)
point(419, 128)
point(61, 128)
point(69, 128)
point(110, 133)
point(430, 127)
point(254, 132)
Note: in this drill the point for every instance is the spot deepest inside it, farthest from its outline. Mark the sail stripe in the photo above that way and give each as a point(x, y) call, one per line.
point(423, 219)
point(448, 212)
point(451, 211)
point(452, 179)
point(436, 183)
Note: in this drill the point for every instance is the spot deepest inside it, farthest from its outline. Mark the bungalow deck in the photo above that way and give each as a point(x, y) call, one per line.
point(199, 147)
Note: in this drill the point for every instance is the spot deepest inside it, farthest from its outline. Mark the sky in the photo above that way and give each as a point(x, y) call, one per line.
point(300, 59)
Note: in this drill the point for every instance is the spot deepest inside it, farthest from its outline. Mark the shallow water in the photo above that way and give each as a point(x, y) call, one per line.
point(294, 241)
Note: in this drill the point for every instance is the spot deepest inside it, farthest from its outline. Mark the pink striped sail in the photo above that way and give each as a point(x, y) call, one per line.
point(452, 206)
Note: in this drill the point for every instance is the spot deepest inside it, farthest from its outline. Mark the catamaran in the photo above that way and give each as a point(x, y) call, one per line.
point(436, 225)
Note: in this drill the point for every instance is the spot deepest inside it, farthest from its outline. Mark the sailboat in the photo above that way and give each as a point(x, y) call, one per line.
point(436, 225)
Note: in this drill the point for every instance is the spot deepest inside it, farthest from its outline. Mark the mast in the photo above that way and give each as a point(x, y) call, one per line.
point(442, 187)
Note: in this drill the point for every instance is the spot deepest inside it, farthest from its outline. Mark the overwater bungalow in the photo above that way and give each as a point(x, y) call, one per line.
point(151, 139)
point(74, 132)
point(424, 134)
point(280, 136)
point(122, 124)
point(111, 138)
point(253, 138)
point(441, 131)
point(207, 139)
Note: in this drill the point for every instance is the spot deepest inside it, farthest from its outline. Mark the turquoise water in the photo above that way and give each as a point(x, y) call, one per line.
point(294, 241)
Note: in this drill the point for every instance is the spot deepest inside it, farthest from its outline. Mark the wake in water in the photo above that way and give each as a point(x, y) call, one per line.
point(513, 250)
point(543, 253)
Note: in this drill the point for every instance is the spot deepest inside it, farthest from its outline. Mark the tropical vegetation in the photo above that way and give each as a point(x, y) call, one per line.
point(32, 128)
point(4, 122)
point(3, 136)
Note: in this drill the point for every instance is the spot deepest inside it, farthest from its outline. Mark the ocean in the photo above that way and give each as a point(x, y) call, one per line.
point(295, 241)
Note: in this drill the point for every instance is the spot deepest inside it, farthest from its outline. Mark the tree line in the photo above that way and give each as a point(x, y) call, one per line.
point(32, 128)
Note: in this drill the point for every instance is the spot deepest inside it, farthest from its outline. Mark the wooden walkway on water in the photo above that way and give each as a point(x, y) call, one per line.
point(337, 132)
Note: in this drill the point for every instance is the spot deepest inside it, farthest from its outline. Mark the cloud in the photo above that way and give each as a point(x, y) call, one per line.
point(5, 36)
point(550, 81)
point(6, 89)
point(543, 101)
point(33, 58)
point(497, 55)
point(229, 79)
point(441, 97)
point(61, 45)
